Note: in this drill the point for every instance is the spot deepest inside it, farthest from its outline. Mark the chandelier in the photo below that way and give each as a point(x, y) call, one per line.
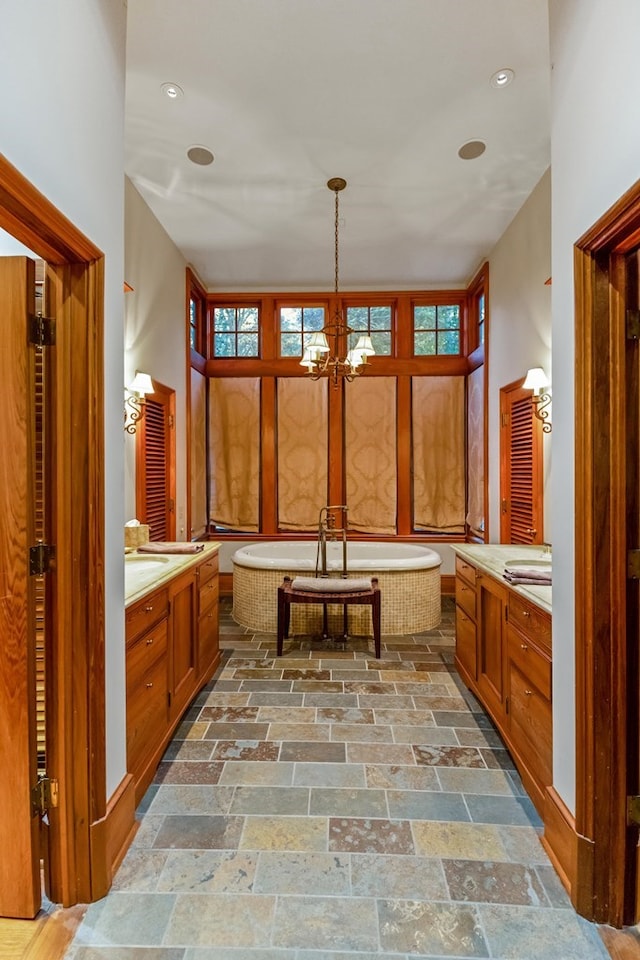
point(327, 352)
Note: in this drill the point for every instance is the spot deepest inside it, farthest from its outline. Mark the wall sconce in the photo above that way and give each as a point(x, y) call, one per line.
point(134, 400)
point(537, 381)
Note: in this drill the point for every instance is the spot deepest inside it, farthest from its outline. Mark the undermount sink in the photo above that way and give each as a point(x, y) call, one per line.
point(149, 560)
point(526, 562)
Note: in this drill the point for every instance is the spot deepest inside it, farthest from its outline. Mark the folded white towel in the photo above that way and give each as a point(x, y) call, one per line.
point(534, 581)
point(330, 585)
point(162, 546)
point(533, 573)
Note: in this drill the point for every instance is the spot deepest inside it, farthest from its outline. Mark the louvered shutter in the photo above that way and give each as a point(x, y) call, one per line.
point(520, 468)
point(156, 494)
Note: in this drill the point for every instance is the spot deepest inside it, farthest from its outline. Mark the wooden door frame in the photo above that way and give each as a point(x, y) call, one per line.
point(605, 739)
point(76, 709)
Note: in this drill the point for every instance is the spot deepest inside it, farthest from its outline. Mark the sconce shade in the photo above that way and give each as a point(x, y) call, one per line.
point(536, 380)
point(141, 384)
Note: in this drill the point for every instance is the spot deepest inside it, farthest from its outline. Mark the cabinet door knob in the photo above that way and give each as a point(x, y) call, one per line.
point(210, 616)
point(148, 686)
point(528, 693)
point(149, 641)
point(524, 646)
point(526, 613)
point(149, 609)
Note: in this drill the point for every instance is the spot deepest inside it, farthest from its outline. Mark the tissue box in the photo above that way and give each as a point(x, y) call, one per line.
point(136, 536)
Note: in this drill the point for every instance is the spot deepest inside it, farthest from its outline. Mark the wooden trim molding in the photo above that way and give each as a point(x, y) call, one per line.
point(112, 835)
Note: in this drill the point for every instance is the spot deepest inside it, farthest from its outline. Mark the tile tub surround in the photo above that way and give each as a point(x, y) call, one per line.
point(329, 806)
point(410, 603)
point(491, 558)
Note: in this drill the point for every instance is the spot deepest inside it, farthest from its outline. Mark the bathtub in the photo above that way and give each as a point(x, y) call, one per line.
point(408, 577)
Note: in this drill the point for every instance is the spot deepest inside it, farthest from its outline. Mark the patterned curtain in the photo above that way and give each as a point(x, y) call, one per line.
point(234, 449)
point(198, 454)
point(438, 454)
point(370, 454)
point(475, 452)
point(303, 438)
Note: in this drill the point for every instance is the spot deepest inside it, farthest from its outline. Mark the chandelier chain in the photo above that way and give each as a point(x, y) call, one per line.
point(337, 242)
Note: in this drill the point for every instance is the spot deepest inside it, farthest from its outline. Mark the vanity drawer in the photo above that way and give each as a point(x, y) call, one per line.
point(142, 654)
point(466, 597)
point(533, 665)
point(466, 570)
point(530, 620)
point(531, 726)
point(208, 568)
point(146, 713)
point(207, 595)
point(143, 614)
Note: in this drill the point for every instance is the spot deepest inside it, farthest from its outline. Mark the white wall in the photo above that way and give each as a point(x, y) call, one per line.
point(595, 156)
point(520, 324)
point(155, 337)
point(62, 70)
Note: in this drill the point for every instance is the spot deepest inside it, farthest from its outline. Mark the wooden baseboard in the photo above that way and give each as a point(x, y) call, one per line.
point(560, 840)
point(111, 837)
point(225, 581)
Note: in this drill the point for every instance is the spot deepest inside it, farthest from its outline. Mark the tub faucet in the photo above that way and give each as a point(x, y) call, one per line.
point(328, 530)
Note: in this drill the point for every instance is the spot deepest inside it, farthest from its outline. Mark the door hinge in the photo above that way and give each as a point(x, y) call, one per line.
point(504, 506)
point(633, 324)
point(633, 564)
point(633, 810)
point(504, 419)
point(506, 704)
point(44, 796)
point(171, 418)
point(506, 614)
point(172, 505)
point(41, 559)
point(42, 331)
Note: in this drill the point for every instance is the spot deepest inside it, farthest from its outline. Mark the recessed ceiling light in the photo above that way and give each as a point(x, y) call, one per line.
point(200, 155)
point(502, 78)
point(472, 149)
point(172, 90)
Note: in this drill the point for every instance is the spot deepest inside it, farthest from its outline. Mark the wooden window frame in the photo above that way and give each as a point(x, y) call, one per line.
point(460, 329)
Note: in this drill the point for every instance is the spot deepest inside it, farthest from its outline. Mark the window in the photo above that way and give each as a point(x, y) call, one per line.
point(480, 308)
point(193, 323)
point(436, 330)
point(196, 318)
point(296, 324)
point(375, 321)
point(235, 331)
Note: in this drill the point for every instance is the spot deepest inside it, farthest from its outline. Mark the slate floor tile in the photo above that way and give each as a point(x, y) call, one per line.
point(355, 835)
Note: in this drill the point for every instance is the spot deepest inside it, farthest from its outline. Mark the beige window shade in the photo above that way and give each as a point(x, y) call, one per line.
point(437, 412)
point(370, 454)
point(302, 452)
point(234, 449)
point(475, 452)
point(198, 454)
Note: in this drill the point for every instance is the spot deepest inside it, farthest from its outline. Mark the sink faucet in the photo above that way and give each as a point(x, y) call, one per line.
point(327, 530)
point(547, 550)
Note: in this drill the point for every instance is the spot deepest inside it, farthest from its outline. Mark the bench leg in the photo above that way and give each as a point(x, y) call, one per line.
point(282, 618)
point(375, 616)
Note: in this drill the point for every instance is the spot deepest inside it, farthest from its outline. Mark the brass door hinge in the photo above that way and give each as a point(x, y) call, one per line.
point(504, 506)
point(633, 810)
point(504, 419)
point(632, 324)
point(41, 559)
point(44, 796)
point(633, 564)
point(42, 331)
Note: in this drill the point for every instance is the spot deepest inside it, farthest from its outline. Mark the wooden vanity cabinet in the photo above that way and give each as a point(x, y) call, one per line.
point(503, 654)
point(208, 635)
point(466, 646)
point(528, 679)
point(171, 651)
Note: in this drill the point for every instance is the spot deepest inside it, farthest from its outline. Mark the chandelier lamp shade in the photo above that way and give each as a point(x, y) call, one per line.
point(327, 352)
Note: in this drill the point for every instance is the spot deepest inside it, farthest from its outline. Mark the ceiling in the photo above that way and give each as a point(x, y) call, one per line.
point(288, 93)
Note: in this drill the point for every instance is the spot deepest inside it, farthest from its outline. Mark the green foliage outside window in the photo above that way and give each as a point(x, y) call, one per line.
point(436, 330)
point(235, 332)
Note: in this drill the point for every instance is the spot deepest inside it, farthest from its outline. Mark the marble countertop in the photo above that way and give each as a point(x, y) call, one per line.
point(144, 572)
point(491, 558)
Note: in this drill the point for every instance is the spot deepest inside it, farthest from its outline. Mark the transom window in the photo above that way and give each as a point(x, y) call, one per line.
point(375, 321)
point(193, 323)
point(481, 319)
point(296, 324)
point(436, 330)
point(235, 331)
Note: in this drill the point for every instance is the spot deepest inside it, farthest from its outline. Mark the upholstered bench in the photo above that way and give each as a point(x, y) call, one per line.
point(327, 590)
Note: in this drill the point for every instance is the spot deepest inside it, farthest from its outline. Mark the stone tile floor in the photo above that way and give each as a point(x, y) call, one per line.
point(328, 806)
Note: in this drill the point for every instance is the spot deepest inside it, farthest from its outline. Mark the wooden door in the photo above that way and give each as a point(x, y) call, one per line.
point(155, 464)
point(19, 824)
point(491, 604)
point(521, 483)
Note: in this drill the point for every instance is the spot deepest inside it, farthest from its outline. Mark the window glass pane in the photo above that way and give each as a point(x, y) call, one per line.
point(193, 312)
point(381, 343)
point(424, 343)
point(247, 345)
point(448, 318)
point(358, 317)
point(313, 318)
point(224, 345)
point(380, 318)
point(224, 318)
point(424, 318)
point(247, 318)
point(449, 342)
point(193, 338)
point(290, 318)
point(290, 345)
point(481, 308)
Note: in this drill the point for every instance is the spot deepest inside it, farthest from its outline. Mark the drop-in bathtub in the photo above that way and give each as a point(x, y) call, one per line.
point(408, 576)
